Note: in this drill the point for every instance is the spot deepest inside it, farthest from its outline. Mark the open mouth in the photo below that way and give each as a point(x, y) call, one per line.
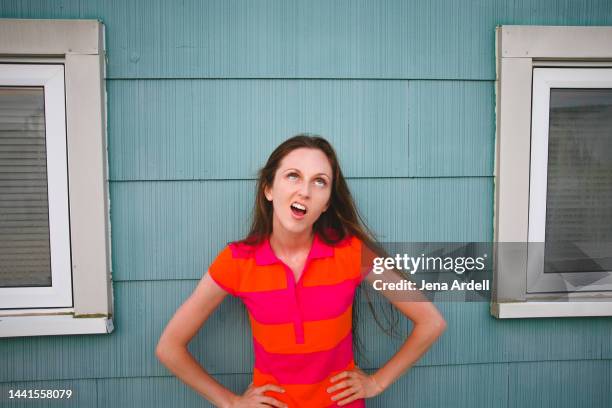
point(299, 210)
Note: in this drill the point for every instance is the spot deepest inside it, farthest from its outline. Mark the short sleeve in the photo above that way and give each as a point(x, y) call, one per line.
point(366, 258)
point(355, 247)
point(223, 270)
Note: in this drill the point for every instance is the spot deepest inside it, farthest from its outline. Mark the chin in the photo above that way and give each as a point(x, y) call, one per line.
point(296, 227)
point(299, 229)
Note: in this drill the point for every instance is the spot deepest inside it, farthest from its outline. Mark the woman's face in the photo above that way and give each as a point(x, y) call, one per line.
point(301, 189)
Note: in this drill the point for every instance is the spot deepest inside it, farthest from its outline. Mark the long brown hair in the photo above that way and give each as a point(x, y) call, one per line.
point(341, 219)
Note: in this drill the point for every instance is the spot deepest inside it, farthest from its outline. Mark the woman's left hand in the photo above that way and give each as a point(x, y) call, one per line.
point(357, 383)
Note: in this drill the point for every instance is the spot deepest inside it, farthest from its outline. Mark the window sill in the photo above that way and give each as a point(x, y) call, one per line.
point(551, 309)
point(53, 325)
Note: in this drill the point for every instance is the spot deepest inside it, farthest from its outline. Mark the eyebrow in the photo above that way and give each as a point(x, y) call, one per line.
point(318, 174)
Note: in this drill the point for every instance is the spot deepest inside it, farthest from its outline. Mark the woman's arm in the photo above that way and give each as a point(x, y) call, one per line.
point(428, 326)
point(172, 346)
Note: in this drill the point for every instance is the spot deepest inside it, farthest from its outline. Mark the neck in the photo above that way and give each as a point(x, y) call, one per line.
point(283, 241)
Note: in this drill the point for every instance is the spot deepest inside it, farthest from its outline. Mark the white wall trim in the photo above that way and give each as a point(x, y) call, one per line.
point(556, 41)
point(18, 326)
point(50, 37)
point(550, 309)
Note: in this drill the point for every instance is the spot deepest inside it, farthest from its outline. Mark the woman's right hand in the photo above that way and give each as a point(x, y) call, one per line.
point(254, 397)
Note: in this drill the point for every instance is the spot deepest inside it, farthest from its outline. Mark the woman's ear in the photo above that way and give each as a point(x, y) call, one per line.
point(268, 194)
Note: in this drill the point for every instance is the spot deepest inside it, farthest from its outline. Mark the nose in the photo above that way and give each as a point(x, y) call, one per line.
point(304, 190)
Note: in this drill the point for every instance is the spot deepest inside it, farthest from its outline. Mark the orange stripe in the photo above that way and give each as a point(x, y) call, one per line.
point(321, 272)
point(259, 278)
point(318, 335)
point(244, 275)
point(345, 264)
point(308, 395)
point(327, 272)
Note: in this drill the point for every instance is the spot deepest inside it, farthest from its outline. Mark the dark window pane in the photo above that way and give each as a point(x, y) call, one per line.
point(25, 258)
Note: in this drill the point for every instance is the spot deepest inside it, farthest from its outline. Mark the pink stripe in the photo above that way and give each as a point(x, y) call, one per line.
point(325, 302)
point(315, 303)
point(306, 368)
point(240, 250)
point(270, 307)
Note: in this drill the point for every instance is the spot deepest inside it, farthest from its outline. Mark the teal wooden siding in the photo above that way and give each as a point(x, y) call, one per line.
point(200, 92)
point(420, 39)
point(155, 237)
point(188, 128)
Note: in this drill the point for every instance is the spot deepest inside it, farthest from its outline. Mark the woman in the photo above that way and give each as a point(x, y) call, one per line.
point(297, 271)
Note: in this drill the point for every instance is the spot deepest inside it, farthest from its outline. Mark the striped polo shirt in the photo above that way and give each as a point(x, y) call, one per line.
point(301, 330)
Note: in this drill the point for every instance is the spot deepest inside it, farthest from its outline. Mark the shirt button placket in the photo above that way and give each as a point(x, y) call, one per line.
point(298, 323)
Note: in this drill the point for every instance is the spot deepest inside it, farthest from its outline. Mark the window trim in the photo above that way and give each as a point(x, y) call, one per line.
point(79, 45)
point(51, 79)
point(545, 79)
point(518, 50)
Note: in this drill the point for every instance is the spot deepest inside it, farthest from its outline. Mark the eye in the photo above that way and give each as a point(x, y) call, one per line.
point(292, 176)
point(321, 182)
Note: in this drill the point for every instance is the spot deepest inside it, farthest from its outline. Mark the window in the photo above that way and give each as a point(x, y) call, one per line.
point(571, 181)
point(55, 273)
point(553, 218)
point(33, 207)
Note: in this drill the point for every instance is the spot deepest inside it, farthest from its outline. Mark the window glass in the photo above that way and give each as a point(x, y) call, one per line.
point(24, 213)
point(579, 183)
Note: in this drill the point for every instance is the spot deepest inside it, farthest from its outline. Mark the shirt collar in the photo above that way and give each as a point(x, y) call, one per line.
point(264, 255)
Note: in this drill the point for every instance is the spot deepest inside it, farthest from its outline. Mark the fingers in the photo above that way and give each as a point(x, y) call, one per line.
point(272, 402)
point(349, 383)
point(345, 393)
point(349, 399)
point(270, 387)
point(339, 386)
point(254, 396)
point(340, 376)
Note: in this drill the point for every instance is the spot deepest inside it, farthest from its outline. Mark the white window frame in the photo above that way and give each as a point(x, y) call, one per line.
point(543, 80)
point(519, 50)
point(78, 46)
point(51, 79)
